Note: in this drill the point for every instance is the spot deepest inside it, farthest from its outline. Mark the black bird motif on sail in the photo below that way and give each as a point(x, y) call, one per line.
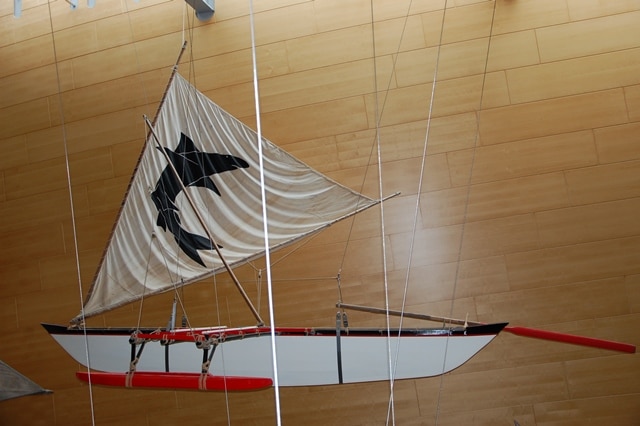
point(194, 169)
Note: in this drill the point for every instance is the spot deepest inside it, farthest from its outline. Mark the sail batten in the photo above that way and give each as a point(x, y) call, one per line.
point(159, 242)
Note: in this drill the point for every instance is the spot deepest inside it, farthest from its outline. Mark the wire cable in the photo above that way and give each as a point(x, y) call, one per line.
point(73, 215)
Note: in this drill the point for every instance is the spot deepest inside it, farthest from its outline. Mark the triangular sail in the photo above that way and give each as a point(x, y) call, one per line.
point(14, 385)
point(158, 243)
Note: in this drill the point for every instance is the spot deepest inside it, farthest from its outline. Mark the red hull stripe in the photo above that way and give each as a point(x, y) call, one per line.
point(170, 380)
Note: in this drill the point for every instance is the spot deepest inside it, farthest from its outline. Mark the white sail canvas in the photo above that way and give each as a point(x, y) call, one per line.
point(159, 243)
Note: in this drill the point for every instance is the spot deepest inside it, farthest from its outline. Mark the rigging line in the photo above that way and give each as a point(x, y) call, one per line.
point(138, 67)
point(146, 103)
point(187, 111)
point(144, 284)
point(172, 279)
point(73, 214)
point(417, 205)
point(378, 111)
point(468, 185)
point(378, 119)
point(199, 124)
point(295, 248)
point(221, 350)
point(274, 359)
point(391, 406)
point(420, 182)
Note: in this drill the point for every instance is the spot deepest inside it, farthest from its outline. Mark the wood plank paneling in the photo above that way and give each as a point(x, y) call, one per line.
point(16, 156)
point(31, 179)
point(528, 157)
point(399, 35)
point(513, 50)
point(553, 116)
point(632, 96)
point(24, 118)
point(529, 14)
point(549, 305)
point(598, 35)
point(575, 76)
point(591, 222)
point(505, 387)
point(30, 54)
point(588, 186)
point(618, 143)
point(33, 23)
point(499, 236)
point(621, 410)
point(342, 116)
point(587, 9)
point(592, 377)
point(31, 242)
point(560, 265)
point(633, 292)
point(517, 196)
point(352, 14)
point(467, 22)
point(27, 210)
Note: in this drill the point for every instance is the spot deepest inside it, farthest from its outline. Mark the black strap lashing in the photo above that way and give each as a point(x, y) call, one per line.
point(339, 320)
point(207, 357)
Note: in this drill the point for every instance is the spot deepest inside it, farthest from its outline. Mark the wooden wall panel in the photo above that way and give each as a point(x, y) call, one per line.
point(27, 210)
point(587, 74)
point(587, 9)
point(527, 208)
point(565, 151)
point(599, 410)
point(529, 14)
point(632, 96)
point(27, 180)
point(328, 48)
point(587, 186)
point(575, 225)
point(618, 143)
point(16, 156)
point(20, 88)
point(399, 35)
point(34, 22)
point(580, 262)
point(23, 118)
point(516, 196)
point(472, 20)
point(598, 35)
point(552, 116)
point(29, 54)
point(513, 50)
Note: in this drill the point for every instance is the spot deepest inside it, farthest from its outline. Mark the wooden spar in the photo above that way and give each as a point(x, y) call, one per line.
point(519, 331)
point(166, 90)
point(424, 317)
point(206, 230)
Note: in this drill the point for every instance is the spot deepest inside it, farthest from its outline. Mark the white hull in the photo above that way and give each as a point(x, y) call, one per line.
point(303, 358)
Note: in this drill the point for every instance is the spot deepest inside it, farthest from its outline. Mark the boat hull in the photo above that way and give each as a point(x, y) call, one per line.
point(305, 356)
